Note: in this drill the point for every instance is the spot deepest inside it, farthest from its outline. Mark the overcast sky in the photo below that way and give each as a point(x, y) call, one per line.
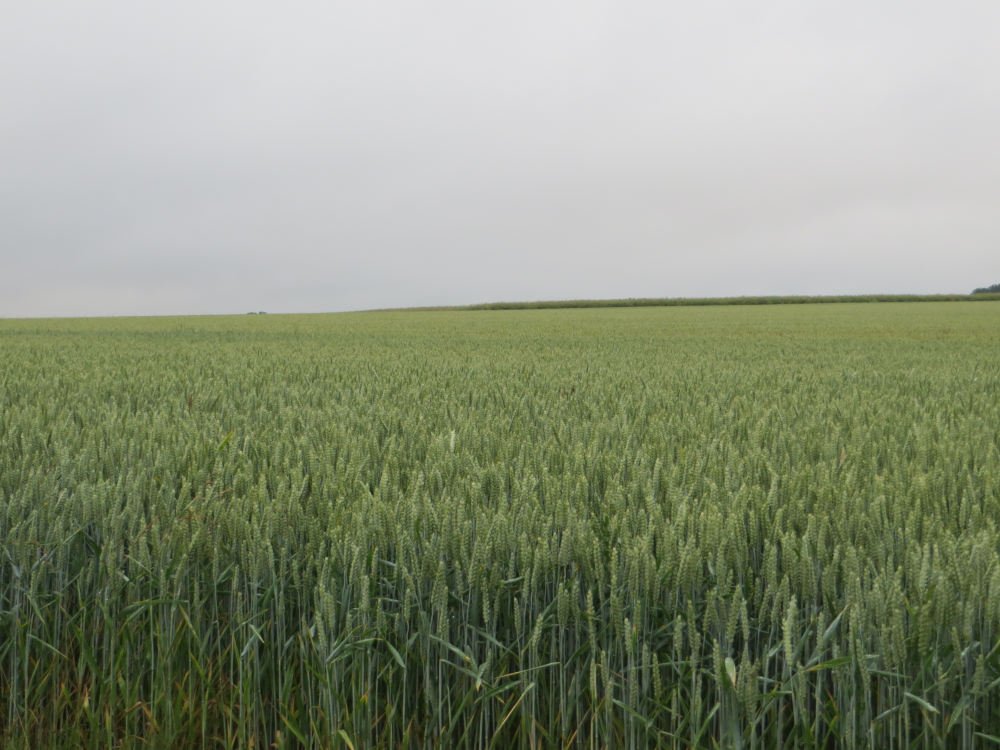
point(191, 157)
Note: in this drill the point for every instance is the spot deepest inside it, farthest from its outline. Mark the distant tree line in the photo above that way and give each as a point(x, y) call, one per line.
point(993, 293)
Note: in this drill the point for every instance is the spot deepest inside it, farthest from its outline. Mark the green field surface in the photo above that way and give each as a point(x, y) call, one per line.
point(763, 526)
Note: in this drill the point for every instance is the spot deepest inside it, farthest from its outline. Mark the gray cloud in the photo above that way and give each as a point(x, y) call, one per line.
point(223, 157)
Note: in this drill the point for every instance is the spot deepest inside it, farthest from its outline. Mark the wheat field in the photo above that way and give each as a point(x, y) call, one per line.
point(684, 527)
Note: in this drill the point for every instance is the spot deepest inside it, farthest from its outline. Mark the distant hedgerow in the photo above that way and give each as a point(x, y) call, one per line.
point(993, 292)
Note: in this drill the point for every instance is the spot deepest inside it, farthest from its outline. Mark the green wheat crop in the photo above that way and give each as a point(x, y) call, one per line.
point(673, 527)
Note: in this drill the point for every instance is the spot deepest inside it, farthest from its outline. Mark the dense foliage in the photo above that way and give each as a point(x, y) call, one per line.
point(995, 289)
point(661, 527)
